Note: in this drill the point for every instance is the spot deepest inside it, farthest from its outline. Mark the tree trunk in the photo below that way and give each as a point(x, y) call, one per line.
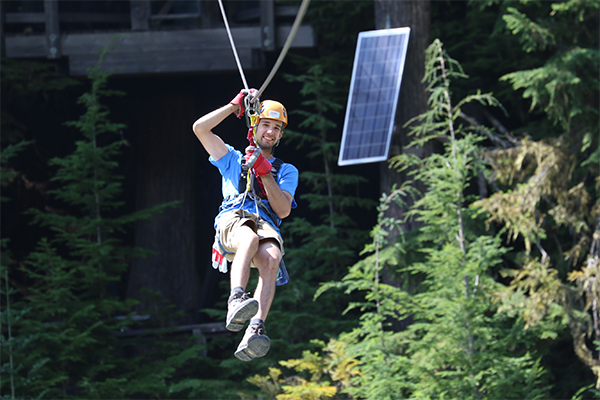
point(412, 102)
point(413, 97)
point(165, 171)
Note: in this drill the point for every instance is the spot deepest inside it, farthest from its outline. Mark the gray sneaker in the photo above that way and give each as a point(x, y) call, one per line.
point(255, 343)
point(240, 308)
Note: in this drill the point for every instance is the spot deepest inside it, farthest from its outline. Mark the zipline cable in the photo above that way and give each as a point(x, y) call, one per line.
point(284, 50)
point(286, 46)
point(235, 54)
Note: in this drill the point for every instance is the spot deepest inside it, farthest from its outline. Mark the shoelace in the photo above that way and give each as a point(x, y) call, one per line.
point(258, 329)
point(242, 297)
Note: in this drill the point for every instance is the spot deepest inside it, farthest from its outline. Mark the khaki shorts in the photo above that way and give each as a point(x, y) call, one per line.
point(229, 222)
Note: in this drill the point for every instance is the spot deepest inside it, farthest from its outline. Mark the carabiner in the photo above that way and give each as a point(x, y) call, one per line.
point(251, 105)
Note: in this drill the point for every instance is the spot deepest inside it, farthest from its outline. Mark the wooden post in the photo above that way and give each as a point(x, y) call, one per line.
point(140, 13)
point(209, 15)
point(2, 27)
point(267, 25)
point(52, 29)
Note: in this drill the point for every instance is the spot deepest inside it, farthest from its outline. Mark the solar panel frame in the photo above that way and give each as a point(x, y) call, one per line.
point(380, 104)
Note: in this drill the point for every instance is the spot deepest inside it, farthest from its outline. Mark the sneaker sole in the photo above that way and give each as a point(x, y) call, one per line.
point(244, 313)
point(257, 347)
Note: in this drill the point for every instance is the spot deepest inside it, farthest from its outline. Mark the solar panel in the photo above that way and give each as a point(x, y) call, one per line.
point(373, 98)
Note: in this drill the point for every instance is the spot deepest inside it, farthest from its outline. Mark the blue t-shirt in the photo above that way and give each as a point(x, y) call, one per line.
point(230, 167)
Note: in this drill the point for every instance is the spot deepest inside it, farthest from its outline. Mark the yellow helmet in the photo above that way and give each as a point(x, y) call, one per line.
point(273, 110)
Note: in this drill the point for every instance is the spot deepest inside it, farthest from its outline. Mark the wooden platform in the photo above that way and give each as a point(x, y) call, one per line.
point(147, 41)
point(191, 50)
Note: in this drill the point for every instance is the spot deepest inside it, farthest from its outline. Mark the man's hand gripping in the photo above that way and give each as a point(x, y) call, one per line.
point(255, 160)
point(238, 100)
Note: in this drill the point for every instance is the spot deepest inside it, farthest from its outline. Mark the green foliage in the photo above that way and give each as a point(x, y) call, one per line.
point(563, 87)
point(458, 344)
point(21, 81)
point(548, 198)
point(317, 376)
point(8, 173)
point(532, 35)
point(322, 235)
point(62, 339)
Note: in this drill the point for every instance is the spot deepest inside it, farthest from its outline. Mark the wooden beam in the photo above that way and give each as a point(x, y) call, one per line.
point(210, 16)
point(37, 18)
point(154, 62)
point(140, 11)
point(25, 18)
point(211, 328)
point(193, 50)
point(29, 46)
point(52, 30)
point(2, 25)
point(304, 37)
point(174, 16)
point(267, 25)
point(176, 40)
point(253, 14)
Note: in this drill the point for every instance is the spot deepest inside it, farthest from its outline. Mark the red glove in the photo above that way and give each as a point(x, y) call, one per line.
point(255, 160)
point(239, 100)
point(262, 167)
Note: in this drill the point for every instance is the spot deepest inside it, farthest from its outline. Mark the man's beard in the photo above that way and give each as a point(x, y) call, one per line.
point(263, 147)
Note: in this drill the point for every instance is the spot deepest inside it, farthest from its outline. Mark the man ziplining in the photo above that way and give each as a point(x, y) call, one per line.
point(247, 225)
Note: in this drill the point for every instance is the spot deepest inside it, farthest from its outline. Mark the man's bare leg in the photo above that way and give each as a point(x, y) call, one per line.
point(240, 307)
point(255, 342)
point(246, 244)
point(267, 261)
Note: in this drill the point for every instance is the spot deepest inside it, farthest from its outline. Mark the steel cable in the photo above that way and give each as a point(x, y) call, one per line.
point(284, 50)
point(235, 54)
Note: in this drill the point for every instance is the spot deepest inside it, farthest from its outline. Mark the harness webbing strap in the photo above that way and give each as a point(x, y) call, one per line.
point(245, 176)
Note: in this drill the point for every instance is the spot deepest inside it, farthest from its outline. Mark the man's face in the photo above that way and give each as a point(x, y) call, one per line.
point(268, 133)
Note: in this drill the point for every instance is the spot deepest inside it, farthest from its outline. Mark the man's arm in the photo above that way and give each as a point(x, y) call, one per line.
point(213, 144)
point(279, 200)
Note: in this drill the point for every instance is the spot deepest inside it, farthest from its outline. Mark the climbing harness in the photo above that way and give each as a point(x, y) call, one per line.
point(259, 190)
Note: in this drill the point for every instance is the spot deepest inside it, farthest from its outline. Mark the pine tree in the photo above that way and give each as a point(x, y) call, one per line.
point(548, 179)
point(459, 343)
point(323, 246)
point(66, 321)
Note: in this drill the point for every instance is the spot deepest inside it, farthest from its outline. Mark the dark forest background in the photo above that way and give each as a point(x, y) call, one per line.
point(466, 266)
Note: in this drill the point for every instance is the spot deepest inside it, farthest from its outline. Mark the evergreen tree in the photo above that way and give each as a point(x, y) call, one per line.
point(64, 324)
point(549, 178)
point(460, 344)
point(322, 246)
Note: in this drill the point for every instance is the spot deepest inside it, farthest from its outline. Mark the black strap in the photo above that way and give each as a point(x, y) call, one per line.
point(275, 167)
